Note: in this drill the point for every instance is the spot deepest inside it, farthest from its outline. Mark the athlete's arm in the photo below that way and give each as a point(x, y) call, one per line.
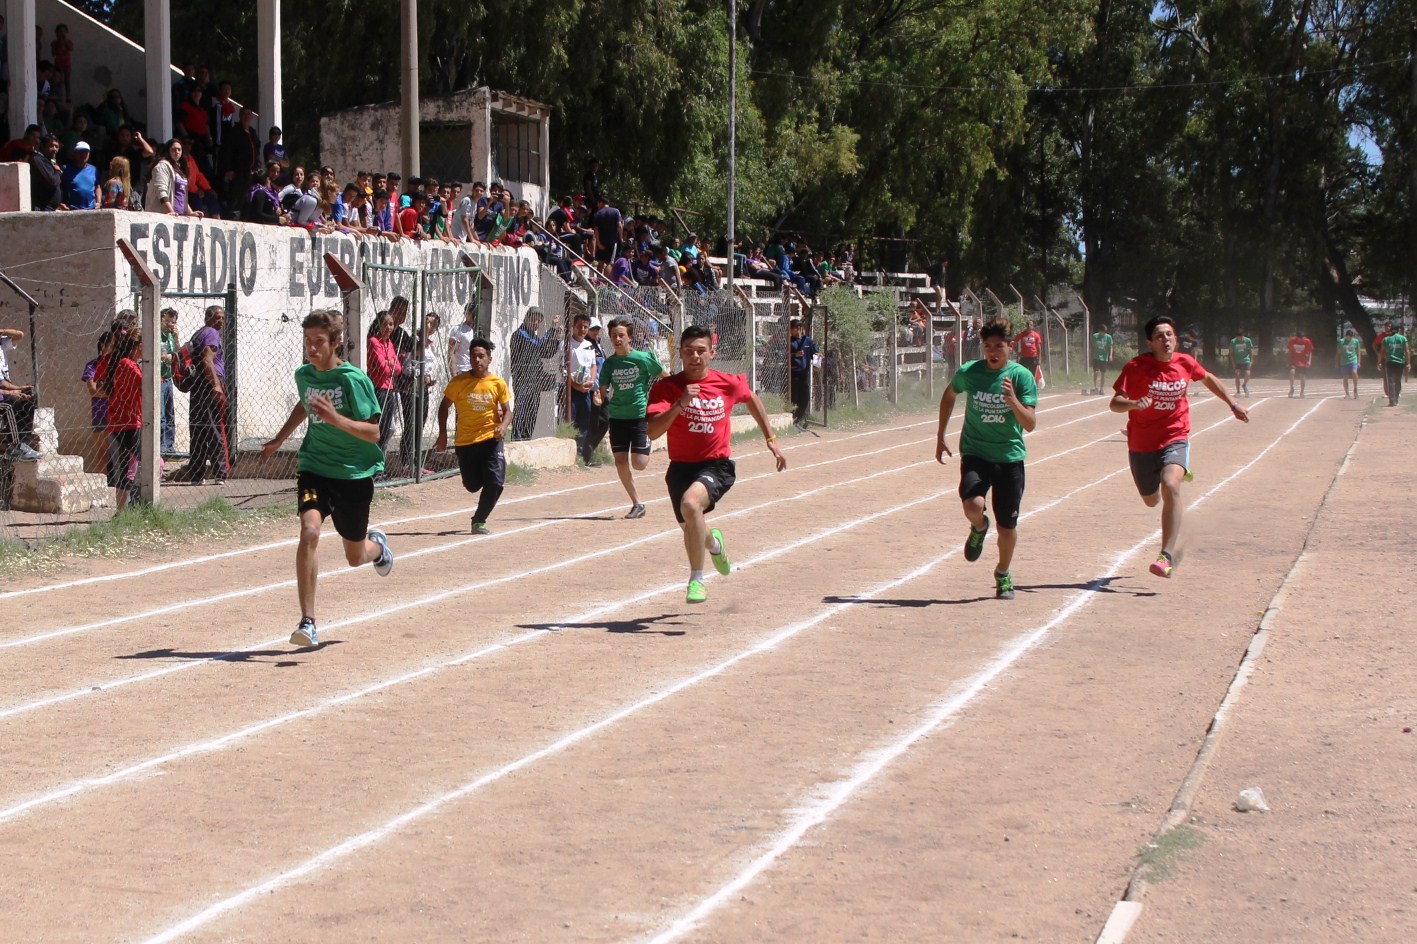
point(760, 415)
point(324, 407)
point(657, 424)
point(947, 406)
point(1216, 387)
point(1026, 415)
point(297, 416)
point(442, 443)
point(504, 408)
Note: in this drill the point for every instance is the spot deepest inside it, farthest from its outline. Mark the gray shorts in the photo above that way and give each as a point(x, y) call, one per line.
point(1147, 466)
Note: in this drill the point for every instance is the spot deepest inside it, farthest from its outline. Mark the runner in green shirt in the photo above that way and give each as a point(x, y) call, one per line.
point(338, 461)
point(625, 379)
point(1101, 358)
point(1350, 357)
point(1242, 351)
point(999, 409)
point(1397, 359)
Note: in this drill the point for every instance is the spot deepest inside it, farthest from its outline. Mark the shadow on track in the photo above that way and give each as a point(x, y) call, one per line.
point(643, 624)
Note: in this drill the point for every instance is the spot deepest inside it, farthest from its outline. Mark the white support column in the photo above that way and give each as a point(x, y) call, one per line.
point(408, 72)
point(268, 72)
point(157, 45)
point(24, 84)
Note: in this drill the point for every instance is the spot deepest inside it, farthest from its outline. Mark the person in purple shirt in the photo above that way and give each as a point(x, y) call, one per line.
point(622, 272)
point(207, 410)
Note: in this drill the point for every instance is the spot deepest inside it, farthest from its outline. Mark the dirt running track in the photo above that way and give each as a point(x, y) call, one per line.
point(530, 737)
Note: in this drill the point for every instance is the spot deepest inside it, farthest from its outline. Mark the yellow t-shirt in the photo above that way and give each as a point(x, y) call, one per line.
point(476, 400)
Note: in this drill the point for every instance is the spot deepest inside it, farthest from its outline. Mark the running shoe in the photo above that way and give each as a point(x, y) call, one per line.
point(480, 527)
point(974, 544)
point(1163, 565)
point(721, 563)
point(636, 511)
point(305, 634)
point(1003, 586)
point(385, 561)
point(696, 592)
point(21, 452)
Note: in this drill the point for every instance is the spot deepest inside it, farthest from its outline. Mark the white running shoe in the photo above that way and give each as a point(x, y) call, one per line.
point(385, 561)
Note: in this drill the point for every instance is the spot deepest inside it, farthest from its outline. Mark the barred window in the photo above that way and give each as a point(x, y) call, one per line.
point(516, 148)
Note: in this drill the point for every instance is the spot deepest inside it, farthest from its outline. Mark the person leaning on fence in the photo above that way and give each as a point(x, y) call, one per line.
point(381, 361)
point(804, 349)
point(414, 393)
point(207, 404)
point(168, 351)
point(530, 378)
point(124, 386)
point(580, 371)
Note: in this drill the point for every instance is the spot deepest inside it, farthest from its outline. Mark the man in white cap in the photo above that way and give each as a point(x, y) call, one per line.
point(81, 179)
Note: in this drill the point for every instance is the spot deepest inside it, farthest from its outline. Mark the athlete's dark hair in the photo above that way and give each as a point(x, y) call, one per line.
point(998, 328)
point(625, 323)
point(693, 333)
point(330, 321)
point(1157, 322)
point(483, 343)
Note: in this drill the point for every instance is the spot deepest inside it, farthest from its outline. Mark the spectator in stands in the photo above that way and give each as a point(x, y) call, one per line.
point(381, 363)
point(184, 84)
point(411, 217)
point(46, 176)
point(118, 191)
point(201, 197)
point(384, 220)
point(530, 379)
point(562, 224)
point(81, 190)
point(167, 187)
point(345, 211)
point(112, 114)
point(622, 272)
point(19, 398)
point(226, 115)
point(22, 148)
point(607, 223)
point(130, 145)
point(460, 339)
point(239, 161)
point(274, 150)
point(77, 131)
point(590, 184)
point(61, 50)
point(194, 117)
point(207, 404)
point(262, 202)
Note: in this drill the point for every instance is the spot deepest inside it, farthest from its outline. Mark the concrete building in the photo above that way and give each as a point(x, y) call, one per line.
point(476, 134)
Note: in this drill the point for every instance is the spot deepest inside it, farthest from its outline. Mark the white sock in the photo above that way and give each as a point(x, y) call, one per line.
point(696, 575)
point(716, 547)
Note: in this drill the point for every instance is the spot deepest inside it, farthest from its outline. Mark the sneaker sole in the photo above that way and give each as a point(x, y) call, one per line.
point(298, 638)
point(1161, 570)
point(721, 563)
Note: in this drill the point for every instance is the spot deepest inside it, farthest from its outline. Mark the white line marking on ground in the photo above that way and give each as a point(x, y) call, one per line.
point(183, 605)
point(833, 796)
point(373, 836)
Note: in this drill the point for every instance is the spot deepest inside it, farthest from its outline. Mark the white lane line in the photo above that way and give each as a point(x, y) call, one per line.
point(831, 797)
point(223, 741)
point(6, 595)
point(185, 605)
point(373, 836)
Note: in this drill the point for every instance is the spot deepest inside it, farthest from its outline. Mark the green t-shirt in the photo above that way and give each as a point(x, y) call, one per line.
point(1396, 347)
point(169, 346)
point(1241, 349)
point(630, 376)
point(329, 451)
point(991, 431)
point(1350, 348)
point(1101, 346)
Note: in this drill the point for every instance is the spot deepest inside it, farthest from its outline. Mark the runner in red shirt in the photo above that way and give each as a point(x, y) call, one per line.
point(1152, 392)
point(1378, 352)
point(1301, 358)
point(1029, 344)
point(693, 407)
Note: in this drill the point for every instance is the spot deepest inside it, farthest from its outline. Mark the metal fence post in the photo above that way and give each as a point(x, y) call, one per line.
point(149, 442)
point(929, 352)
point(893, 342)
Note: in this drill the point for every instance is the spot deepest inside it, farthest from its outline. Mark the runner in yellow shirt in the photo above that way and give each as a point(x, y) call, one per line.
point(484, 406)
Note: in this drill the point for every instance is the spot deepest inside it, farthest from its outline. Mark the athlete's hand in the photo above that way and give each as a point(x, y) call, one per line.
point(777, 455)
point(1142, 404)
point(942, 449)
point(321, 405)
point(269, 449)
point(442, 443)
point(1009, 390)
point(1241, 414)
point(690, 392)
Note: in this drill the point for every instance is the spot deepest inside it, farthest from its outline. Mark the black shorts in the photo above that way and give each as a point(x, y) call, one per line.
point(977, 477)
point(1031, 363)
point(606, 252)
point(482, 463)
point(123, 452)
point(716, 474)
point(1242, 367)
point(345, 500)
point(1299, 371)
point(1148, 466)
point(1099, 363)
point(629, 436)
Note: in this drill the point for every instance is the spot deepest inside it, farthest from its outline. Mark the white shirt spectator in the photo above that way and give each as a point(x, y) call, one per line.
point(461, 341)
point(463, 218)
point(582, 361)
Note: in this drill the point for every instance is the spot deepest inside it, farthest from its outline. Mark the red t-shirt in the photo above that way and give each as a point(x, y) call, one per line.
point(1378, 341)
point(1168, 419)
point(702, 430)
point(125, 404)
point(1029, 343)
point(1301, 351)
point(408, 220)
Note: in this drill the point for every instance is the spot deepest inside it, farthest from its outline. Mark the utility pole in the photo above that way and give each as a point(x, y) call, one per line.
point(408, 64)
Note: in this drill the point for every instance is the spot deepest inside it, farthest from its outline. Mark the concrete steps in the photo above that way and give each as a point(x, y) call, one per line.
point(56, 484)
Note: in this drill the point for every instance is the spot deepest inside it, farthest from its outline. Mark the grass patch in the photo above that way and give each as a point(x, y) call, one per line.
point(1159, 860)
point(520, 474)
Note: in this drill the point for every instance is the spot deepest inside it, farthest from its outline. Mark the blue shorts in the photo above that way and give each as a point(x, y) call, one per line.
point(1348, 369)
